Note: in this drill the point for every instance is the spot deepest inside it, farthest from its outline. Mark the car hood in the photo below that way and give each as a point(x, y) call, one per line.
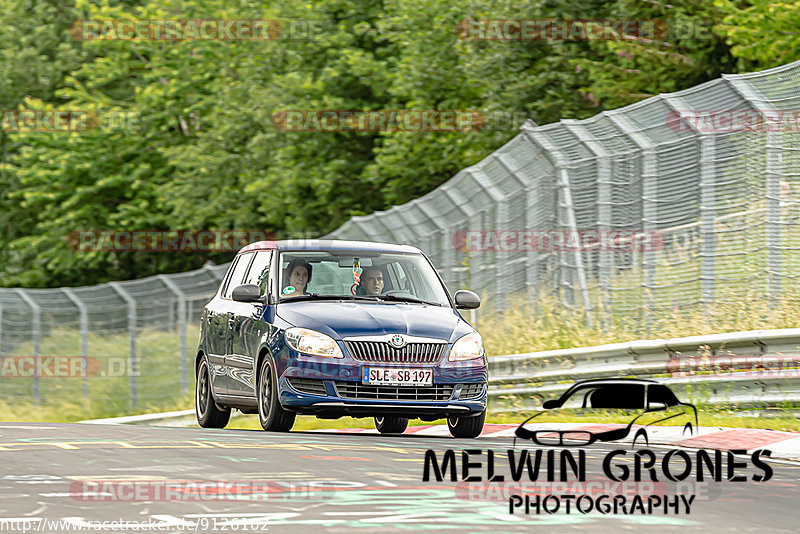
point(344, 319)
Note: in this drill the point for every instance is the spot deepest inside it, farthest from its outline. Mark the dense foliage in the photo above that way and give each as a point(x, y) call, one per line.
point(204, 152)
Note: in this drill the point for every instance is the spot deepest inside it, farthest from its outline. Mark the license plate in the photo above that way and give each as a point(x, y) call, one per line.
point(383, 376)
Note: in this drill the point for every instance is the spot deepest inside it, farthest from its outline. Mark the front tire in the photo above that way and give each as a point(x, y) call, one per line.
point(208, 414)
point(271, 414)
point(641, 433)
point(391, 425)
point(466, 427)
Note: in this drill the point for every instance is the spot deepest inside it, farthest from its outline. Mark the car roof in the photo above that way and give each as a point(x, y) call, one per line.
point(329, 244)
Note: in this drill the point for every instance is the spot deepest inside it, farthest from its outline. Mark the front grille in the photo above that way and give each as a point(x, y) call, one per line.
point(356, 390)
point(309, 385)
point(380, 351)
point(470, 391)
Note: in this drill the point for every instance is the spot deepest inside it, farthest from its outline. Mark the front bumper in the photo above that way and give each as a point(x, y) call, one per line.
point(331, 388)
point(345, 398)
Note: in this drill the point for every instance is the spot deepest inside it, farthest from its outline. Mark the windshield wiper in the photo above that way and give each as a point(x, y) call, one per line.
point(398, 298)
point(310, 296)
point(317, 296)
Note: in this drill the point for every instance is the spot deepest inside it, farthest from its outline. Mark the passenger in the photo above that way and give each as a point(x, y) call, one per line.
point(372, 281)
point(297, 275)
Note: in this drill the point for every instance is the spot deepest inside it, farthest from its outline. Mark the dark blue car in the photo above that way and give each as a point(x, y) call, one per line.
point(335, 328)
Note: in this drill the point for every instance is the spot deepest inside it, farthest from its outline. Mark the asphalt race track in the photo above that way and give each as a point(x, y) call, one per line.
point(70, 477)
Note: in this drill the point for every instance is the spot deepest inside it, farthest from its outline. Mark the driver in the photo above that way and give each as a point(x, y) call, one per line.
point(372, 281)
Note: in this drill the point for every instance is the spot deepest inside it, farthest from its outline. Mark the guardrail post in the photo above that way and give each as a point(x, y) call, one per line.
point(36, 324)
point(181, 329)
point(84, 326)
point(134, 365)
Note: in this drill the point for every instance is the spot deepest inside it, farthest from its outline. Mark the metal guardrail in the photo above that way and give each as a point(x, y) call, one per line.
point(758, 367)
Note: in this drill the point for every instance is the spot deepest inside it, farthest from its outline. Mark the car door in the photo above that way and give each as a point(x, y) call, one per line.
point(247, 327)
point(215, 323)
point(225, 318)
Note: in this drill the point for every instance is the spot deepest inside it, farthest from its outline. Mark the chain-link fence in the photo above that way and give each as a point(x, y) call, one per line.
point(128, 343)
point(682, 199)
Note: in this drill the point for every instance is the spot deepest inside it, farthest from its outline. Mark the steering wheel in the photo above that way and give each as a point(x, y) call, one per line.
point(394, 292)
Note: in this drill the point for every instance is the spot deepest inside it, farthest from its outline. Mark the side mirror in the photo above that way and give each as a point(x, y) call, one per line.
point(551, 404)
point(656, 406)
point(247, 293)
point(467, 299)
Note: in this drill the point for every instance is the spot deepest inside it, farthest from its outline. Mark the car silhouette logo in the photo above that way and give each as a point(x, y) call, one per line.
point(644, 405)
point(397, 341)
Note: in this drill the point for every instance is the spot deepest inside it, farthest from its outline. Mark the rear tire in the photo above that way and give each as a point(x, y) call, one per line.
point(466, 427)
point(208, 414)
point(271, 414)
point(391, 425)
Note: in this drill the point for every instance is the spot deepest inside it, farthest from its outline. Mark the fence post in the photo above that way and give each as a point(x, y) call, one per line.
point(219, 275)
point(36, 325)
point(500, 221)
point(649, 205)
point(134, 366)
point(773, 194)
point(707, 203)
point(707, 220)
point(565, 195)
point(181, 329)
point(604, 223)
point(462, 204)
point(84, 326)
point(774, 162)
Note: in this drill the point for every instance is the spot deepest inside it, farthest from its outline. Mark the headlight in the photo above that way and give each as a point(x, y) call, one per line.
point(467, 347)
point(313, 342)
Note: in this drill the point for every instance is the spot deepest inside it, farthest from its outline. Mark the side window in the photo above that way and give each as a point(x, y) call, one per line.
point(237, 275)
point(658, 394)
point(578, 399)
point(259, 271)
point(228, 273)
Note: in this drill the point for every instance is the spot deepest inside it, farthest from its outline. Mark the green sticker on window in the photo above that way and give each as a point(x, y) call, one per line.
point(288, 290)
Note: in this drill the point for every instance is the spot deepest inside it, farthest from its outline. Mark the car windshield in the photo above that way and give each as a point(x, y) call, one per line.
point(361, 275)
